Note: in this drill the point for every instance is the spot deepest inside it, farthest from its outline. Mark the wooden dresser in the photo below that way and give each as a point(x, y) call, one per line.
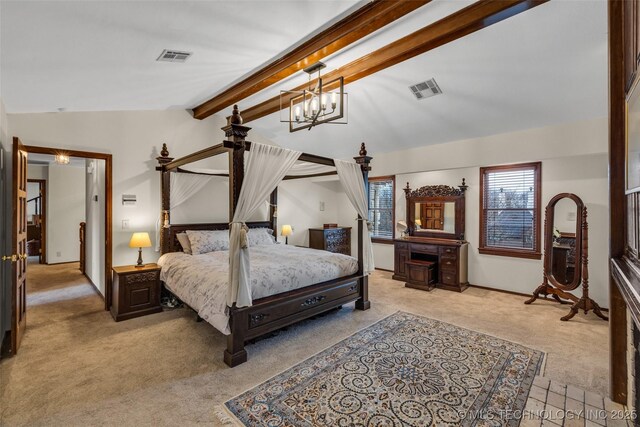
point(336, 240)
point(425, 263)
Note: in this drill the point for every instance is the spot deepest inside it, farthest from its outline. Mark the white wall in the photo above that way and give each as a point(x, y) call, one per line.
point(299, 206)
point(65, 211)
point(35, 171)
point(95, 219)
point(573, 159)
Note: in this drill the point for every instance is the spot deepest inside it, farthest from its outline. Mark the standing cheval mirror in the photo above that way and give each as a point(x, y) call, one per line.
point(566, 255)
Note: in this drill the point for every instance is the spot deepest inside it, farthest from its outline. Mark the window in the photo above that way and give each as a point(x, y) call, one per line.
point(510, 210)
point(382, 208)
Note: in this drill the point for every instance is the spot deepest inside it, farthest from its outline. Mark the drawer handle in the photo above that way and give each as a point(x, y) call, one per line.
point(312, 301)
point(257, 318)
point(448, 262)
point(352, 288)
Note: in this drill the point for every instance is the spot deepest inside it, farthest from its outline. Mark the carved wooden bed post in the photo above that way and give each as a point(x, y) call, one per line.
point(363, 160)
point(235, 134)
point(166, 201)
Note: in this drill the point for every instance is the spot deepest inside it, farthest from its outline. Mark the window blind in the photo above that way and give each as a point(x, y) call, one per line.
point(509, 207)
point(381, 206)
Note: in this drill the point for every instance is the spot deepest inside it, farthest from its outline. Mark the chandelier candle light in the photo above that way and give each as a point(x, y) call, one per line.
point(326, 103)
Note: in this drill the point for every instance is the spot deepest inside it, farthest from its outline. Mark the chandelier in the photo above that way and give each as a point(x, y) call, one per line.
point(326, 103)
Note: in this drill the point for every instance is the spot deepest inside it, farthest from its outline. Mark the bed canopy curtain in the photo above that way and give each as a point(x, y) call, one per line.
point(267, 165)
point(183, 187)
point(350, 175)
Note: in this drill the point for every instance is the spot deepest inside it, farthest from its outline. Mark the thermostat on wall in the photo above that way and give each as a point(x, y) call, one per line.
point(128, 199)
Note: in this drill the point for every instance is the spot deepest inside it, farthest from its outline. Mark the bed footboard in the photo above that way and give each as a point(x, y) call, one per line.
point(277, 311)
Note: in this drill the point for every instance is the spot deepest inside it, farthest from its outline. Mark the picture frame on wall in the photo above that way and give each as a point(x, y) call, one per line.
point(633, 139)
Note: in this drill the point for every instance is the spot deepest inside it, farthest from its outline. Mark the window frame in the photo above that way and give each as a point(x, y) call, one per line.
point(534, 253)
point(392, 178)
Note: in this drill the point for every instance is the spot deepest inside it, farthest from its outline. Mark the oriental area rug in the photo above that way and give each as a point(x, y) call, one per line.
point(404, 370)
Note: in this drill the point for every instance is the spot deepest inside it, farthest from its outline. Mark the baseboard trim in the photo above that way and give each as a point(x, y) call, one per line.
point(95, 288)
point(505, 291)
point(60, 263)
point(384, 269)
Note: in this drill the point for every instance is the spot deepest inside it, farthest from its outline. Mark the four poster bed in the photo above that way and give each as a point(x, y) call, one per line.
point(253, 306)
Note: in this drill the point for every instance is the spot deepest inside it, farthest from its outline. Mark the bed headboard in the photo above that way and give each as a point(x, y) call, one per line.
point(174, 229)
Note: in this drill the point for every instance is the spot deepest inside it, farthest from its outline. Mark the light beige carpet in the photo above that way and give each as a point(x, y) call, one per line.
point(77, 366)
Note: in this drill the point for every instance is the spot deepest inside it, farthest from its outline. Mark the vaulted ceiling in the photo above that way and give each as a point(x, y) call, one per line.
point(542, 67)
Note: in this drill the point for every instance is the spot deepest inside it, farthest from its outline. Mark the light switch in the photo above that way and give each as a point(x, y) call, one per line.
point(125, 224)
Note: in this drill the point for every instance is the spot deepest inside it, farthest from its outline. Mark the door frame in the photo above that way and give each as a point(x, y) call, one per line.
point(108, 228)
point(43, 212)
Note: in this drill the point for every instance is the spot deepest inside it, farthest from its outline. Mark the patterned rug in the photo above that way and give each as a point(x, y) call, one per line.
point(404, 370)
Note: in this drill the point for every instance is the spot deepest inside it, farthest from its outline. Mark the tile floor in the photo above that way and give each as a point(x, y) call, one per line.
point(553, 404)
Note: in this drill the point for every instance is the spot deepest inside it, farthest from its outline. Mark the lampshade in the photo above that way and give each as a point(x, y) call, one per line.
point(140, 240)
point(286, 230)
point(418, 222)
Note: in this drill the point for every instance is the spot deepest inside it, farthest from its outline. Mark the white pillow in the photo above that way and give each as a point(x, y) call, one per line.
point(184, 242)
point(261, 236)
point(203, 241)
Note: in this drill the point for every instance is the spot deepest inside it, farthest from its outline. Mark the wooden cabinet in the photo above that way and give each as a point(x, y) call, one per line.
point(336, 240)
point(424, 263)
point(136, 291)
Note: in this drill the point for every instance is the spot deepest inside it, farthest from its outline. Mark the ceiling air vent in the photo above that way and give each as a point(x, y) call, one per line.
point(426, 89)
point(173, 56)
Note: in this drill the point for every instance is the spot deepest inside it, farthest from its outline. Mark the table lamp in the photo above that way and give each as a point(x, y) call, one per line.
point(286, 232)
point(418, 223)
point(140, 240)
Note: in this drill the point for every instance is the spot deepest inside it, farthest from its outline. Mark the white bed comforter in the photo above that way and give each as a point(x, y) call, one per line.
point(201, 280)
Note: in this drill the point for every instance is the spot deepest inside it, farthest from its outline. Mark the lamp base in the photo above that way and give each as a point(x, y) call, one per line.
point(139, 263)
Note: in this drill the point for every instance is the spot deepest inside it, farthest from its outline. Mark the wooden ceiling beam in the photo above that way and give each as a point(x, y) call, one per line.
point(472, 18)
point(362, 22)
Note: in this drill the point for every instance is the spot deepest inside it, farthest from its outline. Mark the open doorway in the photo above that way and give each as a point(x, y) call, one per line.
point(36, 219)
point(67, 242)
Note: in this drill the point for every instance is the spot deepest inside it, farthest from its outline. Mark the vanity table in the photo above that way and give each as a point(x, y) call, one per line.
point(434, 254)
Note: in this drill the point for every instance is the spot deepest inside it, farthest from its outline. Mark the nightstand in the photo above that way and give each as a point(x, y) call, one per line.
point(136, 291)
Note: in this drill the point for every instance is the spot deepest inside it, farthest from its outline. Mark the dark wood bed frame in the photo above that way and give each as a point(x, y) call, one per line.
point(277, 311)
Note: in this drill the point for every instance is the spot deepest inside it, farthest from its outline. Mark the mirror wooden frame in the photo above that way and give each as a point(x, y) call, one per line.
point(581, 244)
point(436, 193)
point(550, 286)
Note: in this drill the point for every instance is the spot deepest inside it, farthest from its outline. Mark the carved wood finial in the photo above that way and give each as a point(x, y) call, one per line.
point(463, 187)
point(407, 190)
point(236, 118)
point(164, 152)
point(363, 150)
point(164, 155)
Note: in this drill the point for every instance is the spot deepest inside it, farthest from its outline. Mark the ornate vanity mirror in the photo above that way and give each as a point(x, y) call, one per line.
point(436, 211)
point(566, 255)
